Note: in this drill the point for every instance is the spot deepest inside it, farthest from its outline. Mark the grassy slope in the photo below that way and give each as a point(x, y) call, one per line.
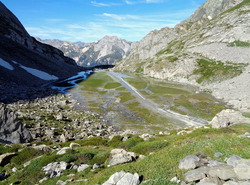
point(157, 168)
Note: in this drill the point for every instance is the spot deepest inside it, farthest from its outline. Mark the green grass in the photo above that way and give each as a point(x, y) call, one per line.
point(238, 44)
point(157, 168)
point(211, 70)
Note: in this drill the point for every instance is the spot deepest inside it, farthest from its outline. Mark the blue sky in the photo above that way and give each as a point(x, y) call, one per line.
point(90, 20)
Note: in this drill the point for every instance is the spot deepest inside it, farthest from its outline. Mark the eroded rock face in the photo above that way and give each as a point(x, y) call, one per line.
point(11, 129)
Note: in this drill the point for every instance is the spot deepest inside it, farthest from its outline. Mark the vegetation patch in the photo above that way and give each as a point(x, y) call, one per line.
point(211, 70)
point(239, 44)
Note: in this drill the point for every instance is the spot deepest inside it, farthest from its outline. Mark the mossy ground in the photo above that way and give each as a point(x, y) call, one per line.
point(157, 168)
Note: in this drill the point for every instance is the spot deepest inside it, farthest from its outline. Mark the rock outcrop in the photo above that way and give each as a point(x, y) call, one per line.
point(235, 171)
point(11, 129)
point(227, 118)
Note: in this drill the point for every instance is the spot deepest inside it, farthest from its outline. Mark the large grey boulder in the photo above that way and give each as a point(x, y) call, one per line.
point(120, 156)
point(189, 162)
point(224, 172)
point(242, 171)
point(82, 167)
point(55, 169)
point(123, 178)
point(227, 118)
point(11, 129)
point(197, 174)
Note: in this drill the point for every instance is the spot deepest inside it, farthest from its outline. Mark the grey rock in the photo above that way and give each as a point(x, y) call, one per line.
point(197, 174)
point(95, 166)
point(122, 178)
point(120, 159)
point(175, 179)
point(234, 160)
point(242, 171)
point(224, 172)
point(11, 129)
point(212, 163)
point(218, 154)
point(189, 162)
point(5, 158)
point(82, 167)
point(227, 118)
point(74, 145)
point(205, 183)
point(44, 179)
point(55, 169)
point(63, 150)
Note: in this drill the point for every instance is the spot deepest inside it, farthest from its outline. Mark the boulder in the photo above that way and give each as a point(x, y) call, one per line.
point(234, 160)
point(197, 174)
point(82, 167)
point(224, 172)
point(63, 150)
point(55, 169)
point(227, 118)
point(11, 129)
point(242, 171)
point(120, 159)
point(120, 156)
point(122, 178)
point(5, 158)
point(189, 162)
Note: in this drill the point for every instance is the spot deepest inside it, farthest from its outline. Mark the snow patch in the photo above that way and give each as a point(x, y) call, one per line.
point(38, 73)
point(6, 65)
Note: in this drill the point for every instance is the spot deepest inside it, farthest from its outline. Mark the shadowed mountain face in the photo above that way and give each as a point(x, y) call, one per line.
point(103, 52)
point(26, 61)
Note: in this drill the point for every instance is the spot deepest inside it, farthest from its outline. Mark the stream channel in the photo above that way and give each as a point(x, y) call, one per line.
point(132, 101)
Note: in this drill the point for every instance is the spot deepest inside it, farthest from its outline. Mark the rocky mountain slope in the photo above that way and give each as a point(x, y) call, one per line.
point(210, 49)
point(24, 60)
point(102, 52)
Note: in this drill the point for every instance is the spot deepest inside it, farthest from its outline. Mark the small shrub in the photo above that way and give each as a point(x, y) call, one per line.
point(100, 158)
point(94, 141)
point(25, 155)
point(131, 142)
point(147, 147)
point(116, 140)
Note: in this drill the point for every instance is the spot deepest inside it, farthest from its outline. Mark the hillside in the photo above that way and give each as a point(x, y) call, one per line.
point(102, 52)
point(25, 62)
point(210, 50)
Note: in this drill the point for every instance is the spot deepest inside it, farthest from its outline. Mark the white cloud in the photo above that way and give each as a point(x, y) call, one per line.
point(98, 4)
point(120, 17)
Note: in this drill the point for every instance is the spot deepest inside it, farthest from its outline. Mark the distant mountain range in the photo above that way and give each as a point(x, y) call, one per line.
point(103, 52)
